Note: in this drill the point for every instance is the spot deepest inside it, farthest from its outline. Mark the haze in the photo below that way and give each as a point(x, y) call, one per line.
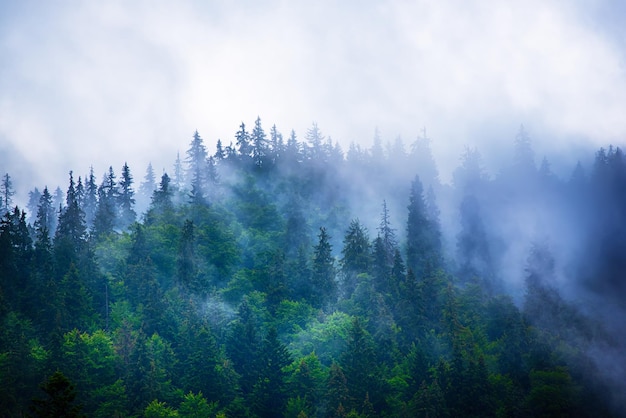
point(85, 83)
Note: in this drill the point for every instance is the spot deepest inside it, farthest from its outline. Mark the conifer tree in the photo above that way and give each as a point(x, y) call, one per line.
point(244, 147)
point(259, 144)
point(6, 194)
point(126, 199)
point(324, 287)
point(197, 168)
point(90, 199)
point(423, 239)
point(355, 255)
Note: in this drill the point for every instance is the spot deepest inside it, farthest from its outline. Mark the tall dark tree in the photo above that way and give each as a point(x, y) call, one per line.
point(355, 255)
point(423, 238)
point(161, 200)
point(45, 223)
point(244, 344)
point(90, 199)
point(60, 399)
point(360, 367)
point(324, 286)
point(71, 227)
point(270, 391)
point(186, 261)
point(106, 217)
point(126, 199)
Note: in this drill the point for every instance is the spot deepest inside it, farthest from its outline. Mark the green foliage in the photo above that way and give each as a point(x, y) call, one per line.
point(60, 399)
point(221, 301)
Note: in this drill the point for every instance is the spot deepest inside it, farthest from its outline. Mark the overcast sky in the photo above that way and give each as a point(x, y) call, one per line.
point(99, 83)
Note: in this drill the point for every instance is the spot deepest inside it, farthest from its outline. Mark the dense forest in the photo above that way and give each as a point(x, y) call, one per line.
point(285, 277)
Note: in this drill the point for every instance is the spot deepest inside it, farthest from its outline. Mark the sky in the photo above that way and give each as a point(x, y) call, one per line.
point(86, 83)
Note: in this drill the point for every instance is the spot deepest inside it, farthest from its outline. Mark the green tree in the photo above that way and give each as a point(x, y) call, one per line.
point(126, 199)
point(196, 406)
point(59, 401)
point(269, 396)
point(355, 255)
point(324, 287)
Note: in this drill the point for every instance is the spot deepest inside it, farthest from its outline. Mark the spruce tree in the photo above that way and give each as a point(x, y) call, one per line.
point(324, 287)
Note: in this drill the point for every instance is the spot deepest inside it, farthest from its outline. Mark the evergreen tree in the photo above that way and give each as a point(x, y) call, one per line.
point(423, 237)
point(243, 143)
point(106, 215)
point(126, 199)
point(358, 362)
point(6, 194)
point(324, 287)
point(179, 177)
point(315, 140)
point(45, 223)
point(277, 145)
point(243, 346)
point(71, 227)
point(90, 200)
point(269, 397)
point(196, 168)
point(60, 399)
point(259, 144)
point(147, 187)
point(220, 153)
point(355, 255)
point(33, 202)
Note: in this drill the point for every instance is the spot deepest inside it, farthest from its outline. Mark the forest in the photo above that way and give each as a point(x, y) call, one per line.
point(283, 277)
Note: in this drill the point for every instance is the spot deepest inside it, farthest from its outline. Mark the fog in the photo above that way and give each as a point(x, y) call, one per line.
point(94, 84)
point(440, 91)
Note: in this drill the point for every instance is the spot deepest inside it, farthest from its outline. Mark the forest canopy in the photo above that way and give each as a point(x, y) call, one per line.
point(278, 276)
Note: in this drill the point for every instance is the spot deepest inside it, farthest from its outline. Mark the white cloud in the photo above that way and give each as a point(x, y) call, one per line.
point(101, 83)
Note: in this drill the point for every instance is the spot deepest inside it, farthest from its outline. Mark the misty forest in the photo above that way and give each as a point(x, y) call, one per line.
point(284, 276)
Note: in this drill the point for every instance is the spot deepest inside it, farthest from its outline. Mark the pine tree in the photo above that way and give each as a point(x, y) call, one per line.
point(147, 187)
point(324, 287)
point(6, 194)
point(106, 217)
point(423, 237)
point(45, 223)
point(358, 362)
point(220, 154)
point(126, 199)
point(71, 225)
point(243, 143)
point(33, 202)
point(243, 346)
point(259, 144)
point(60, 399)
point(269, 397)
point(196, 168)
point(179, 177)
point(355, 255)
point(315, 139)
point(90, 200)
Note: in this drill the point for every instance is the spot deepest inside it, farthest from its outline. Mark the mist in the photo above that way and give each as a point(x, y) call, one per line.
point(443, 184)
